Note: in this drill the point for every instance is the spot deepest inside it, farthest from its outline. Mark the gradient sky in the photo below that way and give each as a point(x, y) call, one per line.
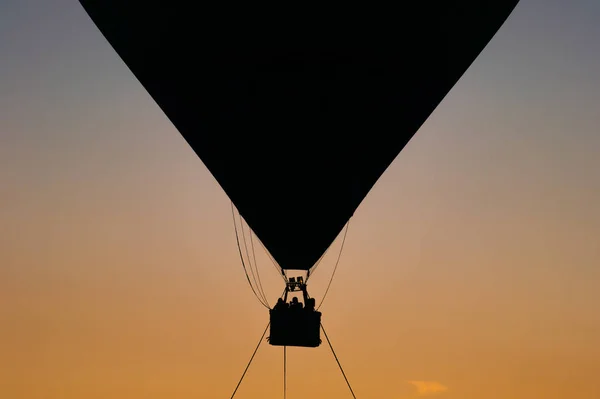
point(119, 272)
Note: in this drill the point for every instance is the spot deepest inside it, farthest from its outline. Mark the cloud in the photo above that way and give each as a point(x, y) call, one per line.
point(428, 387)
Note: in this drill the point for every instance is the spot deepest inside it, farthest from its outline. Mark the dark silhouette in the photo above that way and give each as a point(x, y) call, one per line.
point(297, 111)
point(295, 305)
point(296, 325)
point(310, 305)
point(280, 305)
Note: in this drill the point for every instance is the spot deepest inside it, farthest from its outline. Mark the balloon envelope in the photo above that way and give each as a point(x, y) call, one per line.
point(297, 112)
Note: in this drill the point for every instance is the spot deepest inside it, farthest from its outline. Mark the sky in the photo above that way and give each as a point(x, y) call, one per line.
point(119, 271)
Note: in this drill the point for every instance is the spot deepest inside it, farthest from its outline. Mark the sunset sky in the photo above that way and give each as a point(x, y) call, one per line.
point(469, 272)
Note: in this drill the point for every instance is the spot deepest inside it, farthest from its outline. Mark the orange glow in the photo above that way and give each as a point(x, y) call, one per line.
point(469, 272)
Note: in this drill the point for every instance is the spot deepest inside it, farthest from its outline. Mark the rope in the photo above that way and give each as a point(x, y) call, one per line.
point(284, 372)
point(338, 362)
point(335, 267)
point(250, 362)
point(248, 256)
point(256, 266)
point(257, 284)
point(280, 271)
point(237, 238)
point(312, 269)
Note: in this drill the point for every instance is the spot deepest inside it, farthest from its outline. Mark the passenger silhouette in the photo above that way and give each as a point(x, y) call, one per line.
point(310, 305)
point(295, 304)
point(298, 325)
point(280, 305)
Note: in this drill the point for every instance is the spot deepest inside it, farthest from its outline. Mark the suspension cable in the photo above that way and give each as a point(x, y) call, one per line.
point(242, 259)
point(312, 270)
point(284, 372)
point(280, 270)
point(256, 266)
point(335, 267)
point(243, 234)
point(317, 263)
point(250, 362)
point(258, 284)
point(338, 362)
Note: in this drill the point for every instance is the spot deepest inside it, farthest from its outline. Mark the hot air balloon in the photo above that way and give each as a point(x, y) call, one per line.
point(297, 110)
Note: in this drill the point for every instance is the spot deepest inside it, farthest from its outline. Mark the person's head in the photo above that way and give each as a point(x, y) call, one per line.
point(295, 299)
